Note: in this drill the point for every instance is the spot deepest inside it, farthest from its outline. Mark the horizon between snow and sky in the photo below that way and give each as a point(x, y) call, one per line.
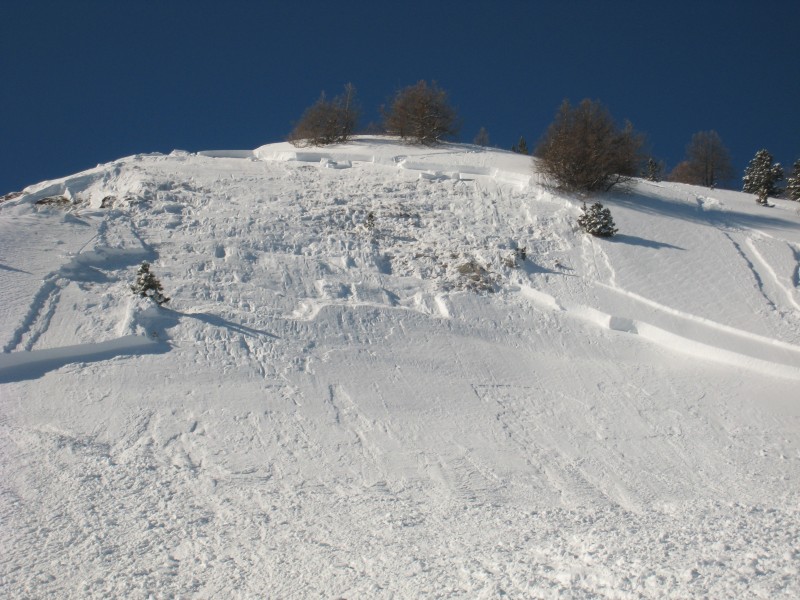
point(89, 83)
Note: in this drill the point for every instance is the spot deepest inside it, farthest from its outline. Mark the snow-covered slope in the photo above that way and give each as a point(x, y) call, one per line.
point(361, 389)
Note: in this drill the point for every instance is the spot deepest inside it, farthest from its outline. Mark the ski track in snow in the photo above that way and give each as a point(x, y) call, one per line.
point(786, 283)
point(357, 390)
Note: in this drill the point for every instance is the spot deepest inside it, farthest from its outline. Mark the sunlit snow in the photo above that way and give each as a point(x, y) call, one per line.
point(361, 389)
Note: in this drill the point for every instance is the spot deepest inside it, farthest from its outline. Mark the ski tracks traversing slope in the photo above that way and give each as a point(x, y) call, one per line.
point(93, 245)
point(781, 261)
point(191, 499)
point(28, 252)
point(620, 287)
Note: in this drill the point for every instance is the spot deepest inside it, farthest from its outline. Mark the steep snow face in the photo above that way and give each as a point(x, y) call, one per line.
point(389, 371)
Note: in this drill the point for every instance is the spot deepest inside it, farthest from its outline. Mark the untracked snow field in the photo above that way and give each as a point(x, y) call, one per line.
point(394, 372)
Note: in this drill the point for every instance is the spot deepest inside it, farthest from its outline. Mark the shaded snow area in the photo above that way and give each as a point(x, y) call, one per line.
point(395, 372)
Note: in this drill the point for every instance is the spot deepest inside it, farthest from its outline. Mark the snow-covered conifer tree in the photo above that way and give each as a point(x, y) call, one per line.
point(761, 175)
point(148, 286)
point(793, 183)
point(597, 220)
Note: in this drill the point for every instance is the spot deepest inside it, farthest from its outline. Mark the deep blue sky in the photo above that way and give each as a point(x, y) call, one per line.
point(91, 81)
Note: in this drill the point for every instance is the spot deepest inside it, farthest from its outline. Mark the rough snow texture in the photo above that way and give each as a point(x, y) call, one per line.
point(342, 406)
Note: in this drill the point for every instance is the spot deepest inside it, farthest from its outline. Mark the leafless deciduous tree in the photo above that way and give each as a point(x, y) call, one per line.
point(421, 113)
point(328, 121)
point(584, 149)
point(682, 173)
point(707, 161)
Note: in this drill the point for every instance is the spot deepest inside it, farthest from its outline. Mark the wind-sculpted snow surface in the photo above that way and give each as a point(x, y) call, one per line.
point(388, 371)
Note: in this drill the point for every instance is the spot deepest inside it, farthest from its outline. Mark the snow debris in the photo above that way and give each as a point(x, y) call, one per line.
point(390, 371)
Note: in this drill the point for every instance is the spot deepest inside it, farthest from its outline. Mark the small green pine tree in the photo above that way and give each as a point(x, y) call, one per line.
point(521, 147)
point(597, 220)
point(148, 286)
point(760, 177)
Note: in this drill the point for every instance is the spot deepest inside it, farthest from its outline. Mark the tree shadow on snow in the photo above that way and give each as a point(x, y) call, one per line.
point(26, 365)
point(217, 321)
point(697, 206)
point(637, 241)
point(13, 270)
point(532, 268)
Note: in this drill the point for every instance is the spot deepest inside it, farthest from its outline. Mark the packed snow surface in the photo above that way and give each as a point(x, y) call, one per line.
point(394, 372)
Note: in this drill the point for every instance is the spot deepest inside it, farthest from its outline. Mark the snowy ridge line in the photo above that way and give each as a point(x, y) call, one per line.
point(67, 186)
point(344, 159)
point(17, 366)
point(318, 157)
point(744, 335)
point(227, 153)
point(459, 171)
point(662, 337)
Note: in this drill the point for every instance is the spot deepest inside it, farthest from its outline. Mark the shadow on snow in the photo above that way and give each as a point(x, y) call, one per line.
point(21, 366)
point(633, 240)
point(699, 210)
point(25, 365)
point(217, 321)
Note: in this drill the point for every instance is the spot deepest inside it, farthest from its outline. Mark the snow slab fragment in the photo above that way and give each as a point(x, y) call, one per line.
point(19, 366)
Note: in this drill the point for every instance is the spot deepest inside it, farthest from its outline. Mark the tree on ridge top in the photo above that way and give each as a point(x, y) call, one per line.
point(793, 182)
point(328, 121)
point(761, 177)
point(707, 161)
point(521, 147)
point(421, 113)
point(481, 138)
point(584, 150)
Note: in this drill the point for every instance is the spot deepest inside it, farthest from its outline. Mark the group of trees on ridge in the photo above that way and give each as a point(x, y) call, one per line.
point(583, 149)
point(420, 113)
